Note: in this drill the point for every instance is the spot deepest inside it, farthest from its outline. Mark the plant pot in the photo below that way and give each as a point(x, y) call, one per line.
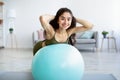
point(11, 30)
point(104, 36)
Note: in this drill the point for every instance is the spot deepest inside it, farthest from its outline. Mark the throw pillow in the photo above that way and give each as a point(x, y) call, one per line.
point(40, 34)
point(87, 35)
point(78, 35)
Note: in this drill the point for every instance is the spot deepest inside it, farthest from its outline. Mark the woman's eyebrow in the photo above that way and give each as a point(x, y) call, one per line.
point(64, 17)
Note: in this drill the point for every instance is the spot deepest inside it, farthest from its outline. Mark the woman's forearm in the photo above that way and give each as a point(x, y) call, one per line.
point(84, 23)
point(46, 18)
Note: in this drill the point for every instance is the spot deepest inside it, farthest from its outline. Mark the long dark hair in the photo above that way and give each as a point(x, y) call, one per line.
point(55, 24)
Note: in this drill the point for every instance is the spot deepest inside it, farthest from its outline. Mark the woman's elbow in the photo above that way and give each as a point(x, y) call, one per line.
point(90, 26)
point(41, 18)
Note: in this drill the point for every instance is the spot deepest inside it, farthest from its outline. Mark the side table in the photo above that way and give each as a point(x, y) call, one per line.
point(13, 40)
point(108, 39)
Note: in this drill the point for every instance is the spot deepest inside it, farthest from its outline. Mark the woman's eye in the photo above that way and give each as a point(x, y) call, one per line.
point(62, 19)
point(69, 19)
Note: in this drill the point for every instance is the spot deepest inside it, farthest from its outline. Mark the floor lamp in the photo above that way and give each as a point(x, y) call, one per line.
point(11, 19)
point(11, 23)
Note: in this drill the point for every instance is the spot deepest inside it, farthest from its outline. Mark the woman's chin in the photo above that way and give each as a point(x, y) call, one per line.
point(66, 27)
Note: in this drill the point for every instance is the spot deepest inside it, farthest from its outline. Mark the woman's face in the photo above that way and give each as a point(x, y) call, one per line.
point(65, 20)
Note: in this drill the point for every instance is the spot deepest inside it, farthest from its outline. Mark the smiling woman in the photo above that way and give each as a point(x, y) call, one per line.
point(60, 28)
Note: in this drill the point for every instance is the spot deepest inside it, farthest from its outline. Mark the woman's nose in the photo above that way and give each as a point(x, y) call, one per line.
point(66, 21)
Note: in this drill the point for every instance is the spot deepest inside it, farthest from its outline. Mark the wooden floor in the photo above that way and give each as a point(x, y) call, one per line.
point(95, 62)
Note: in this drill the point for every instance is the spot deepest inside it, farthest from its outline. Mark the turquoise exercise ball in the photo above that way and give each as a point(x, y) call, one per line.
point(58, 62)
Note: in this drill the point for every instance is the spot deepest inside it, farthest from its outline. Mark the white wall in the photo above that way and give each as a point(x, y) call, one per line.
point(27, 16)
point(104, 14)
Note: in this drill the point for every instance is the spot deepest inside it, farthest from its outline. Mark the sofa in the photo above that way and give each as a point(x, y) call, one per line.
point(86, 40)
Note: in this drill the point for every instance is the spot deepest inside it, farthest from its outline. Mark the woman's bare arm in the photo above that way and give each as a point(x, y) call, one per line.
point(45, 19)
point(85, 25)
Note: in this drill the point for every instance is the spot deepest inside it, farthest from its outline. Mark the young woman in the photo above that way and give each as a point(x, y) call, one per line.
point(60, 28)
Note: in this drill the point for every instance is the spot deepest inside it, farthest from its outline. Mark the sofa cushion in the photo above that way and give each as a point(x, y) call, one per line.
point(78, 35)
point(85, 41)
point(87, 35)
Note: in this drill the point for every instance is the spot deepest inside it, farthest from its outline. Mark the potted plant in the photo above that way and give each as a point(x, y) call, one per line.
point(104, 33)
point(11, 30)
